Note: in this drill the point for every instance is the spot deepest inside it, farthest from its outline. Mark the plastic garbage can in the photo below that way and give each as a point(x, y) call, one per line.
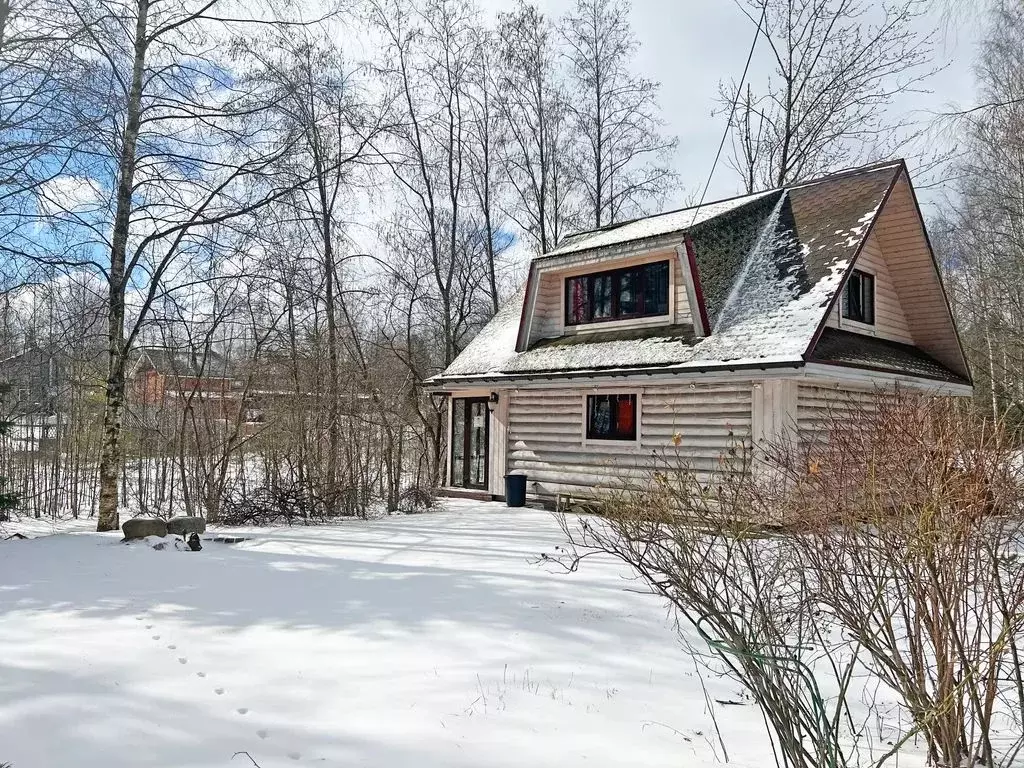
point(515, 490)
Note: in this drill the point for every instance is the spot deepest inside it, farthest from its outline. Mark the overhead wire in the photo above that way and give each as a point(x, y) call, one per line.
point(732, 110)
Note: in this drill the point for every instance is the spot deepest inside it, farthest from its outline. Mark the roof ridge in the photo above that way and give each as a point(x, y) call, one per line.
point(842, 173)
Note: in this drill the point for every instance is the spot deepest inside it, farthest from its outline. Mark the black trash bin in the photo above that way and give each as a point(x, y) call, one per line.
point(515, 490)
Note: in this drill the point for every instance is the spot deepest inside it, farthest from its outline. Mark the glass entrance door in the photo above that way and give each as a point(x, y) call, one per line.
point(470, 438)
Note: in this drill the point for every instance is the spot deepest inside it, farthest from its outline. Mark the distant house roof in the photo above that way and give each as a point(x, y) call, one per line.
point(769, 267)
point(174, 361)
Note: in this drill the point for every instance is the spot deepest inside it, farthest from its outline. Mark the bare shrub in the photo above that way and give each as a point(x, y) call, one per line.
point(908, 518)
point(889, 539)
point(702, 543)
point(285, 505)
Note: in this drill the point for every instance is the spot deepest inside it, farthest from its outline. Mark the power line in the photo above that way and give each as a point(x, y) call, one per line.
point(732, 110)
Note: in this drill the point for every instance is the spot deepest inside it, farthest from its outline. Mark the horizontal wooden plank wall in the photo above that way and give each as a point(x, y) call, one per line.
point(549, 310)
point(890, 320)
point(819, 406)
point(545, 435)
point(909, 259)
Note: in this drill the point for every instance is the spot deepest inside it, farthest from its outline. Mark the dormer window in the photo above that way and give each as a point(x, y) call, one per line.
point(859, 298)
point(617, 294)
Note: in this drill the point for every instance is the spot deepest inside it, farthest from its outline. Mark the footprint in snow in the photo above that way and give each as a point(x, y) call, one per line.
point(219, 691)
point(200, 674)
point(172, 647)
point(182, 660)
point(242, 710)
point(156, 637)
point(295, 755)
point(263, 733)
point(149, 626)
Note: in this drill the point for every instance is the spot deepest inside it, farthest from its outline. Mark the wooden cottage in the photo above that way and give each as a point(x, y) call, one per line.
point(689, 330)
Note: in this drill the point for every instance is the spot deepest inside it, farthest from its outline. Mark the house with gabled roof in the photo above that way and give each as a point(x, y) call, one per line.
point(684, 332)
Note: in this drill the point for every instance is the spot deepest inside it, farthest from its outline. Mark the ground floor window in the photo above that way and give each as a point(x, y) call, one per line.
point(611, 417)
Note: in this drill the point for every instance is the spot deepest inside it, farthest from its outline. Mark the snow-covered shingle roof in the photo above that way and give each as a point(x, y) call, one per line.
point(652, 226)
point(768, 266)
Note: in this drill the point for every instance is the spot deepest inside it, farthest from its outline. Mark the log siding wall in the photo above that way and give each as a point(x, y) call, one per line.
point(546, 435)
point(819, 404)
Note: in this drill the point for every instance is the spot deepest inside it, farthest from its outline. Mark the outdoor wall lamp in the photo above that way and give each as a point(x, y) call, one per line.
point(438, 398)
point(492, 401)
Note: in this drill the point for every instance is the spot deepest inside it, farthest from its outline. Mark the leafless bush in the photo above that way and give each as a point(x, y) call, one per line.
point(702, 544)
point(285, 505)
point(890, 539)
point(416, 499)
point(909, 519)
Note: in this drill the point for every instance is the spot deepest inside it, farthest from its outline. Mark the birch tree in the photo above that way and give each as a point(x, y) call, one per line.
point(981, 234)
point(181, 148)
point(622, 156)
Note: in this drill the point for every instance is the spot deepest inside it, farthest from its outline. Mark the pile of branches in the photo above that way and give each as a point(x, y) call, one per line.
point(285, 505)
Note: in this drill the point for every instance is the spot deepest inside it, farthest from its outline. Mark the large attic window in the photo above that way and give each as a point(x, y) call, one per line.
point(859, 298)
point(617, 294)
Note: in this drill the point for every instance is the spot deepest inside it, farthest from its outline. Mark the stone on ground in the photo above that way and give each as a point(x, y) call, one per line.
point(184, 525)
point(141, 527)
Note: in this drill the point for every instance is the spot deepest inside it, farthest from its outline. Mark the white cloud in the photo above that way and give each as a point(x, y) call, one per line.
point(65, 194)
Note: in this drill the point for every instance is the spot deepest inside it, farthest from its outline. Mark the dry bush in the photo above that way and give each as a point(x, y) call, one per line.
point(908, 518)
point(890, 540)
point(700, 542)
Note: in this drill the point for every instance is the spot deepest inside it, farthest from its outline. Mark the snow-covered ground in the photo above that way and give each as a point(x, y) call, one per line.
point(429, 640)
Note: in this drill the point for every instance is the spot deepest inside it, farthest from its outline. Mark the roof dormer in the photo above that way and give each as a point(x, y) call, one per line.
point(578, 294)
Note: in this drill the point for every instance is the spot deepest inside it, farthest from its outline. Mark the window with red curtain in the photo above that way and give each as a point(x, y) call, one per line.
point(611, 417)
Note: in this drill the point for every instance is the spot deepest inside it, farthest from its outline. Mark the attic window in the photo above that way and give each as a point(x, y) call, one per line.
point(617, 294)
point(859, 298)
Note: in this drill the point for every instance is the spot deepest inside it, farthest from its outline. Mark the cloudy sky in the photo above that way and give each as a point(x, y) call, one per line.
point(689, 46)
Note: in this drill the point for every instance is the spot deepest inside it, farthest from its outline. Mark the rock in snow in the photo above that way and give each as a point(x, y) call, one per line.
point(184, 525)
point(141, 527)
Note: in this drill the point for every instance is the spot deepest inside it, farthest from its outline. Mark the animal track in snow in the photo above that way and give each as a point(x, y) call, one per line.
point(156, 637)
point(200, 674)
point(219, 691)
point(295, 755)
point(263, 733)
point(182, 660)
point(242, 710)
point(172, 647)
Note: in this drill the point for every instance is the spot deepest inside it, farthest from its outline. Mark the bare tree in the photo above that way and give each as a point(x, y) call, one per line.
point(537, 153)
point(178, 153)
point(330, 127)
point(836, 66)
point(486, 140)
point(981, 234)
point(623, 157)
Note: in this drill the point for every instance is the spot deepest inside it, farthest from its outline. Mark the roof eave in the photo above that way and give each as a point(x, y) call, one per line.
point(671, 369)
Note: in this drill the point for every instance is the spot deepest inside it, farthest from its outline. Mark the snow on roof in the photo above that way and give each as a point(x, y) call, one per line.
point(652, 226)
point(773, 286)
point(487, 352)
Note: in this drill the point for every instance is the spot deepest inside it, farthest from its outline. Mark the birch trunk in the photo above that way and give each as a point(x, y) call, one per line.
point(112, 454)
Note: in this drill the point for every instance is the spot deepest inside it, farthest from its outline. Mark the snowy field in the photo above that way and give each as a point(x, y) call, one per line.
point(429, 640)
